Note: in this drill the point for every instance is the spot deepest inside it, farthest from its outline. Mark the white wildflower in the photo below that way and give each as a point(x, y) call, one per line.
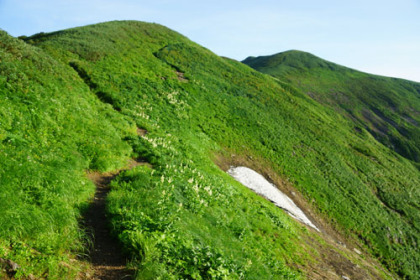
point(208, 190)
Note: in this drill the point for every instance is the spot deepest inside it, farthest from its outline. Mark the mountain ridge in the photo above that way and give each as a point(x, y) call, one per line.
point(183, 216)
point(387, 107)
point(310, 58)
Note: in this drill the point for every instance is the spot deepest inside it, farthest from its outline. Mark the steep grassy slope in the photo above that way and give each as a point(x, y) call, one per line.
point(388, 108)
point(51, 129)
point(184, 217)
point(193, 102)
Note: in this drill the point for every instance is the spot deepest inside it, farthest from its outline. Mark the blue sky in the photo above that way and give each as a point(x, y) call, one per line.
point(380, 37)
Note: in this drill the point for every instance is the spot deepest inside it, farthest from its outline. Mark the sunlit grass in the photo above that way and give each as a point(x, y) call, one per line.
point(182, 218)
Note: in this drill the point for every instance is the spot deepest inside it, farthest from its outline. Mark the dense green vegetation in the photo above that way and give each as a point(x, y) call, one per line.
point(74, 105)
point(388, 108)
point(51, 129)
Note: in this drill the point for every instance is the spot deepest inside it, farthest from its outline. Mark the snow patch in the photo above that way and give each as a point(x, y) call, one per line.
point(256, 182)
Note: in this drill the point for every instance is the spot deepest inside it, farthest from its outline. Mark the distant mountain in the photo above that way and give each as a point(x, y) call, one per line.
point(388, 108)
point(157, 120)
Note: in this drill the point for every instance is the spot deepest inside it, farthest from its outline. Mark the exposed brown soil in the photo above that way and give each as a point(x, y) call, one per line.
point(181, 77)
point(335, 255)
point(141, 131)
point(8, 268)
point(106, 257)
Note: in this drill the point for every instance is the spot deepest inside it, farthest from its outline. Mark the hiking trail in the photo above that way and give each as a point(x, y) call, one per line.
point(106, 258)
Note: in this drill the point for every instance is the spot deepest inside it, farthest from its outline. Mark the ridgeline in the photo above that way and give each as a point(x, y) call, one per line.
point(90, 99)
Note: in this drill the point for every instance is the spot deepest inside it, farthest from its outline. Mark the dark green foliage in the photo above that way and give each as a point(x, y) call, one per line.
point(388, 108)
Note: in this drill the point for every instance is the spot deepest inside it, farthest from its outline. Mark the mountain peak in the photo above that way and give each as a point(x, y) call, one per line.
point(380, 104)
point(114, 96)
point(289, 60)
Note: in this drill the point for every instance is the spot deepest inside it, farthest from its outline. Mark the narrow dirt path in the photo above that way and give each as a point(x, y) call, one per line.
point(105, 255)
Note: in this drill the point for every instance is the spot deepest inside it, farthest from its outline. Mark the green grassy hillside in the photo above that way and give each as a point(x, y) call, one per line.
point(52, 128)
point(184, 218)
point(388, 108)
